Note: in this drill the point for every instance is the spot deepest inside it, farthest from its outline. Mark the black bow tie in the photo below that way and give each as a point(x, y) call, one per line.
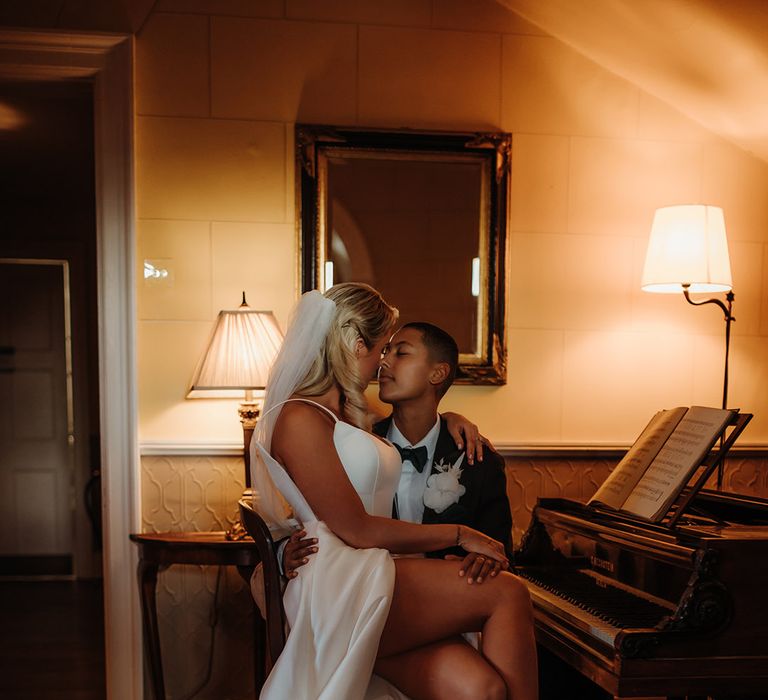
point(416, 455)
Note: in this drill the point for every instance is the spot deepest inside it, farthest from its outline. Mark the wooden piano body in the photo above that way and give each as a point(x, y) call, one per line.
point(647, 610)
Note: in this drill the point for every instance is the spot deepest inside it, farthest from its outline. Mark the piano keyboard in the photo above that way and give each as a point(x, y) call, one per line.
point(602, 608)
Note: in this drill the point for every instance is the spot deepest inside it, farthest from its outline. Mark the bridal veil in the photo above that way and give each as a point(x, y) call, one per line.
point(307, 331)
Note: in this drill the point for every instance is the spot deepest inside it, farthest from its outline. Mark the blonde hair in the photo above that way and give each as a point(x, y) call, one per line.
point(361, 314)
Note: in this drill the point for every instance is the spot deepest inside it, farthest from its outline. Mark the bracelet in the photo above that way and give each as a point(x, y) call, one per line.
point(458, 534)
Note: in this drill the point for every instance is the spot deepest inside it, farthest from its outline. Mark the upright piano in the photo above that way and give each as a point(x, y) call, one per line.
point(645, 609)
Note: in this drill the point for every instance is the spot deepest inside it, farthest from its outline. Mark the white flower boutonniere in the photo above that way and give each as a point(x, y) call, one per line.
point(443, 489)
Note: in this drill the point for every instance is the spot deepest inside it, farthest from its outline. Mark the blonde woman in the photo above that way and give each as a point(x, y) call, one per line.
point(354, 609)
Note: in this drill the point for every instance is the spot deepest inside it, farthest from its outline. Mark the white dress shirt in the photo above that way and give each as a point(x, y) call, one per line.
point(410, 491)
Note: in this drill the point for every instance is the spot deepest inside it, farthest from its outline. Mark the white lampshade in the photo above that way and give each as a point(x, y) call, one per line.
point(687, 246)
point(239, 355)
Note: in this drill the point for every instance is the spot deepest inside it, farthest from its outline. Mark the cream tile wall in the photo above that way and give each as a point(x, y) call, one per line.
point(219, 87)
point(268, 70)
point(440, 78)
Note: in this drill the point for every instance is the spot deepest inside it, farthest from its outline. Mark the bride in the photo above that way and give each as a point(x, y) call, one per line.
point(353, 609)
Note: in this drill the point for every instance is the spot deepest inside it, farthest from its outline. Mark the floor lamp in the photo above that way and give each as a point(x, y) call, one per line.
point(236, 364)
point(688, 253)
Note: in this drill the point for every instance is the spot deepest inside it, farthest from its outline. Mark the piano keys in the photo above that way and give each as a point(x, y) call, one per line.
point(642, 609)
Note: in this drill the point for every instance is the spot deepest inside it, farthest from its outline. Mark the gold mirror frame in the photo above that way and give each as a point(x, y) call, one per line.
point(316, 144)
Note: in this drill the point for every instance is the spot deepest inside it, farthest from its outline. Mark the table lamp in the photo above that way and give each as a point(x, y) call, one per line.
point(688, 253)
point(236, 364)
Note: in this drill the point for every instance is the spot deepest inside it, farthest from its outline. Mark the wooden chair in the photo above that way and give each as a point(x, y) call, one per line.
point(273, 593)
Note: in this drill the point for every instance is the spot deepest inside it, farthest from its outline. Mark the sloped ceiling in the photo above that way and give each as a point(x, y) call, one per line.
point(706, 58)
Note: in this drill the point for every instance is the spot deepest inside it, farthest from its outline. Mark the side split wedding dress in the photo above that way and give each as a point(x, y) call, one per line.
point(337, 605)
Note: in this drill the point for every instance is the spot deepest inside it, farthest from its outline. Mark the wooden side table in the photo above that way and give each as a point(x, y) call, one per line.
point(206, 548)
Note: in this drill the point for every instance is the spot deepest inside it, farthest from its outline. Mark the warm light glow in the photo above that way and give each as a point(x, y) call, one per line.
point(10, 118)
point(475, 277)
point(328, 274)
point(239, 354)
point(687, 246)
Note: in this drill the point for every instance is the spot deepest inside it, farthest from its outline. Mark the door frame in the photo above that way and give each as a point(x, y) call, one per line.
point(107, 60)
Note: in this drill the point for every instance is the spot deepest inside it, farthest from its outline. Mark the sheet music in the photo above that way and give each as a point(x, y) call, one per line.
point(630, 469)
point(682, 453)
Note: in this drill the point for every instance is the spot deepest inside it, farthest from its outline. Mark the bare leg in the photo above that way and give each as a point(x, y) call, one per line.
point(432, 603)
point(450, 668)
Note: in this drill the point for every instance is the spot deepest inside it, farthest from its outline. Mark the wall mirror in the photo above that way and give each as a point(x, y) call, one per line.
point(421, 216)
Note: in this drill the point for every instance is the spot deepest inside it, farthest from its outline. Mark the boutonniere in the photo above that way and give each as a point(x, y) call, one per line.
point(443, 489)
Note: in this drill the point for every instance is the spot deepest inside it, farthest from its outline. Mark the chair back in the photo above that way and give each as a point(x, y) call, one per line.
point(273, 594)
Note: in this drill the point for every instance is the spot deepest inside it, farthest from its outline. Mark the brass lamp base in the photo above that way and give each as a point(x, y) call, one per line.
point(236, 533)
point(249, 414)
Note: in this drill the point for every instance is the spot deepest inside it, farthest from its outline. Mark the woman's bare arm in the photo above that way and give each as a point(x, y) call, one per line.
point(303, 444)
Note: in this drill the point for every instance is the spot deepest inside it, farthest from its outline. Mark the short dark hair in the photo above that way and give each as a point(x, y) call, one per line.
point(441, 348)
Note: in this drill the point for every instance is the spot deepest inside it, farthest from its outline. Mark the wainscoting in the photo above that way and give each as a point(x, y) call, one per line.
point(205, 613)
point(206, 616)
point(529, 478)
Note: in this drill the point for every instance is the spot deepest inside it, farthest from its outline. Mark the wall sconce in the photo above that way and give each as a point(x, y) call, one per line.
point(236, 364)
point(688, 253)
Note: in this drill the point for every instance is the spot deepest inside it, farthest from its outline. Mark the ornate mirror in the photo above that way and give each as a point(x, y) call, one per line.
point(420, 216)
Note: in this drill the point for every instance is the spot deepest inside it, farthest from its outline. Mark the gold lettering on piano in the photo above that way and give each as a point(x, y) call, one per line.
point(602, 563)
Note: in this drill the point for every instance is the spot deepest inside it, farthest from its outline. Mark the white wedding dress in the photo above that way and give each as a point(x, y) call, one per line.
point(337, 605)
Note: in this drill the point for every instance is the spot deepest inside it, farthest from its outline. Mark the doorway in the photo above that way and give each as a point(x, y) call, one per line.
point(49, 443)
point(50, 515)
point(104, 63)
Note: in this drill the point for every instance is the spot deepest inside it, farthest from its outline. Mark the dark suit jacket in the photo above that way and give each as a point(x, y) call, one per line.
point(484, 506)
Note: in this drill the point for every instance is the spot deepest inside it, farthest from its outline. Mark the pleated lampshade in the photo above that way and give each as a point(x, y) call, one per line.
point(239, 355)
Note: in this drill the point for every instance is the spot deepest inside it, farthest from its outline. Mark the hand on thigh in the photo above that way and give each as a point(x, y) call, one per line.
point(432, 602)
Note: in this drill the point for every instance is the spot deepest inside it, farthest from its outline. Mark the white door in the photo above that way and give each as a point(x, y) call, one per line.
point(36, 495)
